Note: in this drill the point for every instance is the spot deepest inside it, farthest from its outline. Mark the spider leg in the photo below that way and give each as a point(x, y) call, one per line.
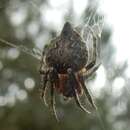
point(76, 96)
point(73, 82)
point(43, 80)
point(53, 78)
point(53, 102)
point(44, 87)
point(92, 70)
point(87, 92)
point(95, 51)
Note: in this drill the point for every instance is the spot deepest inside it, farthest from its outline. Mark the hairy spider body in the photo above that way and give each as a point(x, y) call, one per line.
point(63, 65)
point(68, 51)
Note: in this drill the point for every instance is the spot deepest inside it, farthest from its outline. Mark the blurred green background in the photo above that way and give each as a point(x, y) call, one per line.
point(27, 23)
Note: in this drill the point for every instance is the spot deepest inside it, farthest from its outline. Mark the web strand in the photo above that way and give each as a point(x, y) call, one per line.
point(34, 52)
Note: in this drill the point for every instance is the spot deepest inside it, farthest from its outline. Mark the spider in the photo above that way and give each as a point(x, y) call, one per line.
point(64, 64)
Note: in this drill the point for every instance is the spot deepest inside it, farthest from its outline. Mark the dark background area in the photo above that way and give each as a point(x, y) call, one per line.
point(20, 105)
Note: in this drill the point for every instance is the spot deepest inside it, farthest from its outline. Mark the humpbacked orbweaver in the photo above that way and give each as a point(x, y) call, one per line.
point(65, 63)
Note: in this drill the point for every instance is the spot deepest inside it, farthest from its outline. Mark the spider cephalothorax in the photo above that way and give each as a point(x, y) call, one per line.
point(64, 64)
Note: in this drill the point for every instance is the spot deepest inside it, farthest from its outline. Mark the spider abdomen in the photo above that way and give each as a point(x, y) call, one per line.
point(69, 54)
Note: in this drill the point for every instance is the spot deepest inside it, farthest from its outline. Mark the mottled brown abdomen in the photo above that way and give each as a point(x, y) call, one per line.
point(70, 54)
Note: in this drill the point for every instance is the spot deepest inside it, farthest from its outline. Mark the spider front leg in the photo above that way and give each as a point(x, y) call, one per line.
point(72, 82)
point(53, 79)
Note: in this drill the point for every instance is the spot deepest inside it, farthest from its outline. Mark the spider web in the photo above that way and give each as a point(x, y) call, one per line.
point(35, 52)
point(88, 31)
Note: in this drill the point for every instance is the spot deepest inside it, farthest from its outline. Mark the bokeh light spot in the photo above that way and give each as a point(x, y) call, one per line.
point(118, 84)
point(21, 95)
point(13, 53)
point(29, 83)
point(2, 101)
